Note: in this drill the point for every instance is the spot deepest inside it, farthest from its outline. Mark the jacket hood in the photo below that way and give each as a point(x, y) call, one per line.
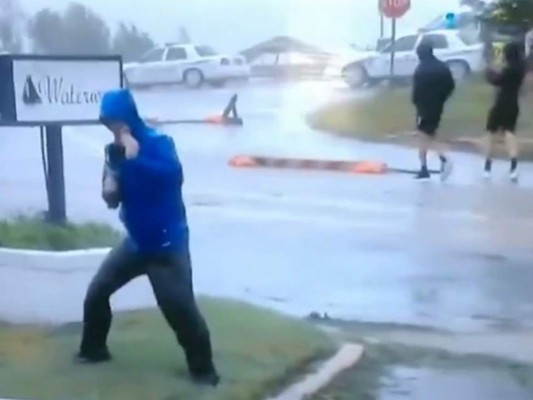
point(425, 51)
point(119, 105)
point(513, 53)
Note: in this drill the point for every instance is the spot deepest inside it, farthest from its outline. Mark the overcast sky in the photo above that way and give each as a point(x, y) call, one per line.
point(232, 25)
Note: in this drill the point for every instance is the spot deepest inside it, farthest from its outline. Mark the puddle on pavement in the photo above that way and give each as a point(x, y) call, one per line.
point(392, 371)
point(433, 384)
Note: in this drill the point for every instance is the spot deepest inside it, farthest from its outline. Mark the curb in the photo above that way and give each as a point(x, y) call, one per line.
point(53, 253)
point(347, 356)
point(354, 167)
point(212, 120)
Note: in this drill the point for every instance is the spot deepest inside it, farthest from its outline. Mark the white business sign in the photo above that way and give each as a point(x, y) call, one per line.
point(48, 90)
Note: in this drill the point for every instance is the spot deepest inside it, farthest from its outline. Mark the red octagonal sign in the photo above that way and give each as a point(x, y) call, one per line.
point(394, 8)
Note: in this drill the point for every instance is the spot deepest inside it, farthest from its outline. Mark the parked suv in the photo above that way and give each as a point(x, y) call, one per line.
point(463, 53)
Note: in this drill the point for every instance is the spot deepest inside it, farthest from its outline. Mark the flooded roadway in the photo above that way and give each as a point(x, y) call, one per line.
point(381, 249)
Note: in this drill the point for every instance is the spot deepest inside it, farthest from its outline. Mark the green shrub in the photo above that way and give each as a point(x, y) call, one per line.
point(33, 232)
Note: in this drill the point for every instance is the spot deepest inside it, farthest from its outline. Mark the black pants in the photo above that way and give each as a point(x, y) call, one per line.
point(503, 118)
point(429, 122)
point(171, 278)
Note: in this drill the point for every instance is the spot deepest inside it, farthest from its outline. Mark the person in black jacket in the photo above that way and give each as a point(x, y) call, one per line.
point(433, 84)
point(504, 113)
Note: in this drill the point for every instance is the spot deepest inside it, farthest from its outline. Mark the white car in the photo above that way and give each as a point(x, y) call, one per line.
point(189, 64)
point(463, 53)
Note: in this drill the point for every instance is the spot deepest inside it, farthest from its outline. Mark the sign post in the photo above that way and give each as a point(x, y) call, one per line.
point(393, 49)
point(393, 9)
point(55, 179)
point(50, 92)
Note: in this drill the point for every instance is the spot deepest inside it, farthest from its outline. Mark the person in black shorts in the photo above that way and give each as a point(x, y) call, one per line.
point(433, 84)
point(503, 115)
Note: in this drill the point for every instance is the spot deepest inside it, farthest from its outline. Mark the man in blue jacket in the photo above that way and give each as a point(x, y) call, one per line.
point(143, 176)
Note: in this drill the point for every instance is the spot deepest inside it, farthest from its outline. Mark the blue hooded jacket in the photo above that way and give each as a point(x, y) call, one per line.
point(152, 208)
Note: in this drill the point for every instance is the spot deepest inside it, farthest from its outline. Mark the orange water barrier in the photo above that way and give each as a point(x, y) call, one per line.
point(356, 167)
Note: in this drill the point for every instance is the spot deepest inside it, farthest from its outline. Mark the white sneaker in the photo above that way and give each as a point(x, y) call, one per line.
point(446, 170)
point(487, 174)
point(514, 175)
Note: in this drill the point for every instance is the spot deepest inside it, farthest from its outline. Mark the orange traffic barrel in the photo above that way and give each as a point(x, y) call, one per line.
point(368, 167)
point(215, 119)
point(243, 162)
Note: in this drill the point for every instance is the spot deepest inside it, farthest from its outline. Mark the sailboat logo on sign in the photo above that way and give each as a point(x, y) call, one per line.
point(30, 95)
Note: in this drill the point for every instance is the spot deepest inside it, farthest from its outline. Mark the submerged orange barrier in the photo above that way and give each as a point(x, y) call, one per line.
point(355, 167)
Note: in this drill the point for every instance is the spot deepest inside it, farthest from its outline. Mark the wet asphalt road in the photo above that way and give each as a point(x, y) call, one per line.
point(386, 249)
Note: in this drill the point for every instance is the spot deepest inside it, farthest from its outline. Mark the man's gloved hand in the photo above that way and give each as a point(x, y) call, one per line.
point(110, 191)
point(114, 154)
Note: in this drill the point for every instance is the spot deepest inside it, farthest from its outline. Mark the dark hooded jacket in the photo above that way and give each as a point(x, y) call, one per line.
point(509, 81)
point(433, 83)
point(150, 184)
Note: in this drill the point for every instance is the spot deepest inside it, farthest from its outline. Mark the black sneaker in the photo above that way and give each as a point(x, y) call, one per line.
point(210, 378)
point(446, 169)
point(423, 174)
point(93, 358)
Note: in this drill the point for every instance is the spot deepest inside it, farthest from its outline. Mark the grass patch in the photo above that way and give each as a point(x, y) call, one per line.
point(389, 113)
point(255, 351)
point(34, 232)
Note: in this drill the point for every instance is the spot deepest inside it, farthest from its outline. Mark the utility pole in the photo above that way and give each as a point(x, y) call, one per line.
point(393, 49)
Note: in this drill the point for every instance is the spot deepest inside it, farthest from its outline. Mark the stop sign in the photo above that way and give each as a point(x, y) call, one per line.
point(394, 8)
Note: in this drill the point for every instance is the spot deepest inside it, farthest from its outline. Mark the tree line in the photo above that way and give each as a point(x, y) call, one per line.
point(518, 13)
point(80, 30)
point(515, 12)
point(76, 30)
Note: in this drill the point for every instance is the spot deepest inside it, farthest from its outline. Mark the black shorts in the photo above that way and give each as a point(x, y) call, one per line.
point(502, 119)
point(428, 124)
